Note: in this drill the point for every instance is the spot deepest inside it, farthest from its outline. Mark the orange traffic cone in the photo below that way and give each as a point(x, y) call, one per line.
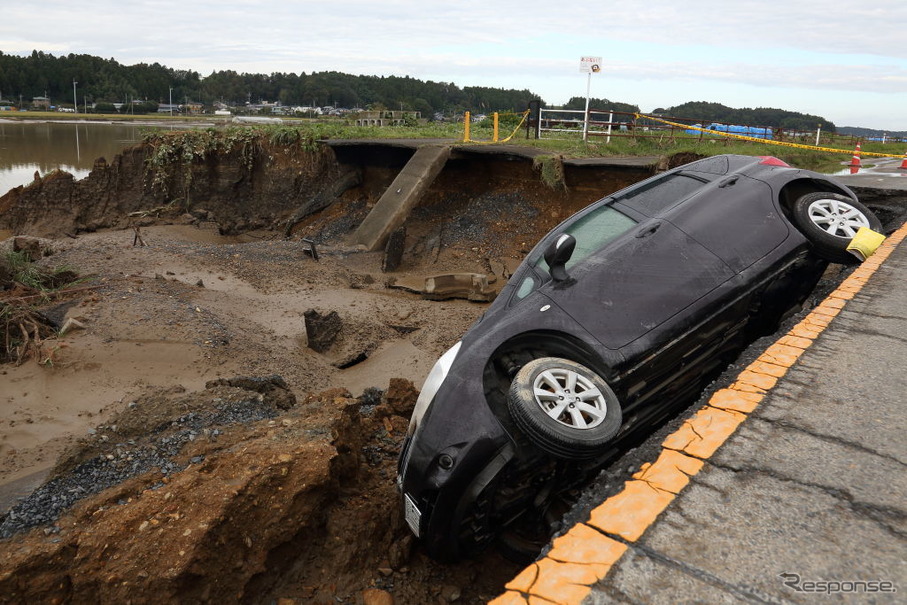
point(903, 165)
point(855, 160)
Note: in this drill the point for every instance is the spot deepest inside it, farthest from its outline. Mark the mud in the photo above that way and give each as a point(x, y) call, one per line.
point(164, 475)
point(195, 442)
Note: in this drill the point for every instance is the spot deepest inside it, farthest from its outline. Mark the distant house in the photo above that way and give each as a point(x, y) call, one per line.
point(386, 117)
point(41, 102)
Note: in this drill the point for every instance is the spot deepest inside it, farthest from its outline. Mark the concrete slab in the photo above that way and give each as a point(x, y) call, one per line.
point(401, 197)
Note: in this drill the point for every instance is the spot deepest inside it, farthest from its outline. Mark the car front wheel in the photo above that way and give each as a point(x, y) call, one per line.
point(830, 220)
point(565, 408)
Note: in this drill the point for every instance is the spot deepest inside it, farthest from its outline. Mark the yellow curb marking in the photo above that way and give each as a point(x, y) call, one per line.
point(584, 556)
point(670, 472)
point(630, 512)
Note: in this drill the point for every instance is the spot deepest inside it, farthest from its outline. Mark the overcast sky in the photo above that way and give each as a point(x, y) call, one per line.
point(843, 60)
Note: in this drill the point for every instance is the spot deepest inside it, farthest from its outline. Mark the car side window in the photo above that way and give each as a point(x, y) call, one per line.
point(654, 198)
point(592, 231)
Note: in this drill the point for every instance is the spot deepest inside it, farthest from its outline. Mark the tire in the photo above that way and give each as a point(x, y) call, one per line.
point(564, 408)
point(830, 220)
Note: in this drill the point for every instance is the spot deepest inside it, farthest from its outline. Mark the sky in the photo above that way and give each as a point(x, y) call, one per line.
point(843, 60)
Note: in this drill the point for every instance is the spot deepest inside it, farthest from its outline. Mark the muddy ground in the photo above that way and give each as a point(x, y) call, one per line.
point(193, 441)
point(192, 445)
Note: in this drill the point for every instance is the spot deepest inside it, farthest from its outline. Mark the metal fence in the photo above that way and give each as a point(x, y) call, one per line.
point(606, 123)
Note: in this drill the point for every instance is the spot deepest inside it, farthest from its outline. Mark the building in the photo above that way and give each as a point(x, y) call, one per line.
point(386, 117)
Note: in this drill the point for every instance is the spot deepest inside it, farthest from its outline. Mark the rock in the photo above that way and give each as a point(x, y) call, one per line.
point(400, 552)
point(393, 250)
point(274, 388)
point(33, 247)
point(376, 596)
point(401, 395)
point(450, 593)
point(322, 330)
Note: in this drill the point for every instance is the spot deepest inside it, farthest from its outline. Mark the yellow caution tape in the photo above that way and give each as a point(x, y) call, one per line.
point(758, 140)
point(865, 243)
point(525, 115)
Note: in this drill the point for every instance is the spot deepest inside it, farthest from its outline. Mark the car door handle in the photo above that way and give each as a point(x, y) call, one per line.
point(648, 230)
point(728, 181)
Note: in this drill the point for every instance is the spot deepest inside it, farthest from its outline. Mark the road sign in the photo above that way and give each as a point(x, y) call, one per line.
point(590, 65)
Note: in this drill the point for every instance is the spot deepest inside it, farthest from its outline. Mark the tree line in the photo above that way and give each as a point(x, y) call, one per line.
point(760, 116)
point(106, 81)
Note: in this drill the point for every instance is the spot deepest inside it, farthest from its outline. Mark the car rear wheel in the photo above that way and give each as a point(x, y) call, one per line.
point(565, 408)
point(830, 220)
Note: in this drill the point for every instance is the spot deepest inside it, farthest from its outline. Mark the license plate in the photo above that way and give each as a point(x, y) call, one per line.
point(412, 514)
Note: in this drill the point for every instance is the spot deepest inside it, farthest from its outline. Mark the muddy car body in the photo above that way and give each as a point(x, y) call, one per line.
point(620, 314)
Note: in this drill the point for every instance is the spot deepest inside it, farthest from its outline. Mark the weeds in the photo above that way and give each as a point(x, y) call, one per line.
point(23, 329)
point(551, 170)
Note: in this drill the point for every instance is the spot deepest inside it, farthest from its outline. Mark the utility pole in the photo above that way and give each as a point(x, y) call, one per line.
point(75, 99)
point(171, 101)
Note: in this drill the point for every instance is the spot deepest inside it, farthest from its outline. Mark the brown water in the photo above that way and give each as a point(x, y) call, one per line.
point(27, 147)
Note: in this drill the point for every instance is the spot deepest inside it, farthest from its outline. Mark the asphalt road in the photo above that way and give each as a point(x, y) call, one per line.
point(786, 487)
point(809, 489)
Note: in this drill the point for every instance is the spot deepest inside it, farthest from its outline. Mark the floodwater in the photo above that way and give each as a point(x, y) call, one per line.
point(29, 147)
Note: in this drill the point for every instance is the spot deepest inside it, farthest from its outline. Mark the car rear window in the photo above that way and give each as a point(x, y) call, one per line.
point(656, 197)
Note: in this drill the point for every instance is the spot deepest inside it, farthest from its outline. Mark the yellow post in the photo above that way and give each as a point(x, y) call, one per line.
point(466, 127)
point(495, 139)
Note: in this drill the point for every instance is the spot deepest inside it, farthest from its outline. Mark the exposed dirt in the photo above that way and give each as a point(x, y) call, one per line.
point(167, 478)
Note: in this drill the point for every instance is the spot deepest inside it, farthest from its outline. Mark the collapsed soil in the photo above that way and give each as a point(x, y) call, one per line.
point(167, 482)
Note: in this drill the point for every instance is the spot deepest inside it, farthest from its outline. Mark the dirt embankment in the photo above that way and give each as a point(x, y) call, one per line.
point(167, 478)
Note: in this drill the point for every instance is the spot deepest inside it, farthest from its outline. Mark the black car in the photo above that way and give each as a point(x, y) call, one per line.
point(621, 313)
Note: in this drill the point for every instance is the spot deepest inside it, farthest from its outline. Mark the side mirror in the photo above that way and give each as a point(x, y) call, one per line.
point(557, 254)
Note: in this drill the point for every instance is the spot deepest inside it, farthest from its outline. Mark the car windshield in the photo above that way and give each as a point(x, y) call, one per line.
point(592, 232)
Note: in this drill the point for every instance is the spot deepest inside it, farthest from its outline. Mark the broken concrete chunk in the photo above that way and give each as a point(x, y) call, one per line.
point(471, 286)
point(393, 250)
point(322, 330)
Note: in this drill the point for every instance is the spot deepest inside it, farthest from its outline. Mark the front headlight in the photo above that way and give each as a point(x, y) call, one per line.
point(432, 383)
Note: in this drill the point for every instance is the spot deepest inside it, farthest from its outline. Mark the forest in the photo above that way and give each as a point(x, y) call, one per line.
point(106, 81)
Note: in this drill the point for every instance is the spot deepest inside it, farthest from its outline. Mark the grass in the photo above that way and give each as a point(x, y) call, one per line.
point(20, 268)
point(306, 131)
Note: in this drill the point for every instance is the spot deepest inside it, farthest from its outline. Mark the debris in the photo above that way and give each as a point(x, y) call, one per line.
point(376, 596)
point(321, 330)
point(393, 250)
point(471, 286)
point(401, 395)
point(71, 324)
point(312, 251)
point(33, 247)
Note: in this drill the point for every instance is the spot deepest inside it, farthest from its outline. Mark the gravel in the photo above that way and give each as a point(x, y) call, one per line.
point(159, 449)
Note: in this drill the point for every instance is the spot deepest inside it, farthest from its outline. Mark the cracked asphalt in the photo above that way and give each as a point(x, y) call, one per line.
point(788, 486)
point(806, 500)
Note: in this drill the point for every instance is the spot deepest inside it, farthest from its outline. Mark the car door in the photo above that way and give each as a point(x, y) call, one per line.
point(733, 216)
point(635, 281)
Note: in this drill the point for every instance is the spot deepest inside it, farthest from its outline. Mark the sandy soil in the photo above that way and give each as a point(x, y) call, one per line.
point(192, 306)
point(150, 323)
